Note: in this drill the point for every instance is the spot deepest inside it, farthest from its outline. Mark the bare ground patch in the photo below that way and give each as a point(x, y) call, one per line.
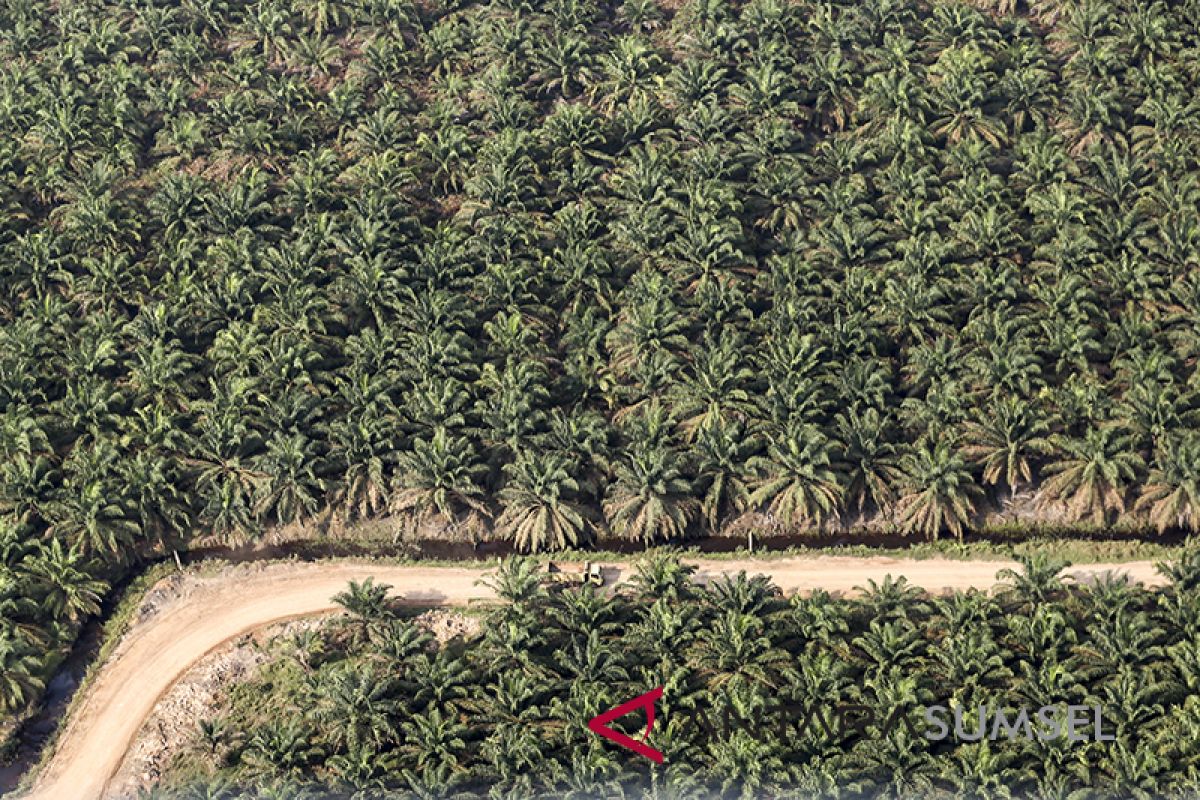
point(175, 722)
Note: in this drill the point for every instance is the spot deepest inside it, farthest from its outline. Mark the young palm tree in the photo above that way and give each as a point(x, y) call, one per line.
point(287, 749)
point(737, 650)
point(357, 705)
point(517, 581)
point(364, 769)
point(1039, 579)
point(366, 601)
point(660, 573)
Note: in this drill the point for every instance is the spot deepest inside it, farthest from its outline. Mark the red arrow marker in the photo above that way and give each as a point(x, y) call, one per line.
point(599, 724)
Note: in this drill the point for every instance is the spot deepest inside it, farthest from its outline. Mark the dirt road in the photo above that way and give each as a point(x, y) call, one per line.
point(159, 651)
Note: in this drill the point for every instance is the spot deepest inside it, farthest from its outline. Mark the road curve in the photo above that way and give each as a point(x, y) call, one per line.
point(157, 653)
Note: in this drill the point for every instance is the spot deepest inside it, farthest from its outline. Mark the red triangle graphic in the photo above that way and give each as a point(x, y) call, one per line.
point(599, 724)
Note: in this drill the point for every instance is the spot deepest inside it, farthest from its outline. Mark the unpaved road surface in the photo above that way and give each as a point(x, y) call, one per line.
point(156, 653)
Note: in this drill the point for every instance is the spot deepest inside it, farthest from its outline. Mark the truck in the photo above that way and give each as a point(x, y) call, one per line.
point(572, 574)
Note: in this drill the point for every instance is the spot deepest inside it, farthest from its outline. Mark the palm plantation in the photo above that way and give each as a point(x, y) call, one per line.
point(556, 274)
point(395, 713)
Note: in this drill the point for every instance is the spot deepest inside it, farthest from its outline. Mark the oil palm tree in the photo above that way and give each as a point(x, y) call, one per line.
point(1171, 495)
point(1089, 478)
point(21, 679)
point(650, 499)
point(540, 511)
point(359, 705)
point(1005, 440)
point(290, 490)
point(367, 603)
point(94, 522)
point(439, 476)
point(65, 581)
point(869, 461)
point(939, 493)
point(796, 484)
point(722, 453)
